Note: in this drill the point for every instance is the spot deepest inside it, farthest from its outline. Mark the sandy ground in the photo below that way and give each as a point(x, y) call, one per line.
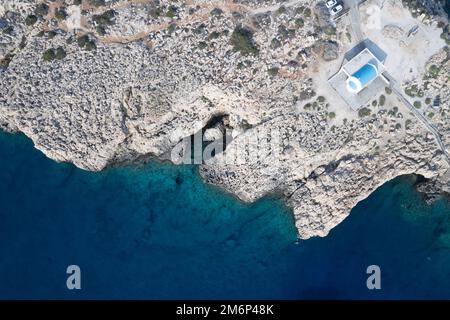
point(406, 56)
point(323, 70)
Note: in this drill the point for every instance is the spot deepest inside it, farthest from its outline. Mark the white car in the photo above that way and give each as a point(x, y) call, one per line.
point(334, 11)
point(330, 3)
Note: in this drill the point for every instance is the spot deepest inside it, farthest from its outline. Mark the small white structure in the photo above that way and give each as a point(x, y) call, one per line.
point(359, 79)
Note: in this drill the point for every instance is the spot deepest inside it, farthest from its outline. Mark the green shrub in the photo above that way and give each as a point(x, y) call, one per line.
point(82, 40)
point(299, 22)
point(382, 100)
point(216, 12)
point(434, 71)
point(242, 41)
point(100, 30)
point(61, 13)
point(30, 20)
point(98, 3)
point(105, 19)
point(202, 45)
point(307, 12)
point(172, 27)
point(49, 55)
point(86, 43)
point(417, 104)
point(90, 45)
point(299, 10)
point(428, 101)
point(155, 12)
point(8, 30)
point(51, 34)
point(332, 115)
point(349, 36)
point(60, 53)
point(213, 35)
point(273, 71)
point(41, 9)
point(171, 12)
point(321, 99)
point(388, 90)
point(281, 10)
point(364, 112)
point(407, 123)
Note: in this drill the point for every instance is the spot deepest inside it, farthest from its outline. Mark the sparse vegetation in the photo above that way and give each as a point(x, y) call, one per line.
point(41, 9)
point(60, 13)
point(433, 71)
point(388, 90)
point(216, 12)
point(100, 30)
point(86, 43)
point(349, 36)
point(30, 20)
point(8, 30)
point(214, 35)
point(105, 19)
point(49, 55)
point(445, 35)
point(273, 71)
point(299, 22)
point(155, 12)
point(242, 41)
point(60, 53)
point(51, 34)
point(307, 12)
point(408, 123)
point(329, 30)
point(98, 3)
point(205, 100)
point(202, 45)
point(281, 10)
point(412, 91)
point(171, 12)
point(364, 112)
point(90, 45)
point(382, 100)
point(172, 27)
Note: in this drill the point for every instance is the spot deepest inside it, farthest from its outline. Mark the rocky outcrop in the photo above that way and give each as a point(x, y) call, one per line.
point(114, 86)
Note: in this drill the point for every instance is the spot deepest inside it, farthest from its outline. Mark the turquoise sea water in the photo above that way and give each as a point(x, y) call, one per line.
point(157, 231)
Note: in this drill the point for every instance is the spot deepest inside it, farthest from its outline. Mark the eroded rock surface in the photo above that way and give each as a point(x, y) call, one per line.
point(101, 82)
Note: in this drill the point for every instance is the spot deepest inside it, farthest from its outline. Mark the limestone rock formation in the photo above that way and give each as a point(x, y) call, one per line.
point(97, 83)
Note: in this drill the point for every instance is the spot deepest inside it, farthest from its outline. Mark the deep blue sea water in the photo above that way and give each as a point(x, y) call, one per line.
point(157, 231)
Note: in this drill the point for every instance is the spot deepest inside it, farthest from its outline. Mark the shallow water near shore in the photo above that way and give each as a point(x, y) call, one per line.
point(157, 231)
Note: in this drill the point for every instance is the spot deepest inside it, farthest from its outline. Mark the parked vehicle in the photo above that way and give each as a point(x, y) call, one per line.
point(334, 11)
point(330, 3)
